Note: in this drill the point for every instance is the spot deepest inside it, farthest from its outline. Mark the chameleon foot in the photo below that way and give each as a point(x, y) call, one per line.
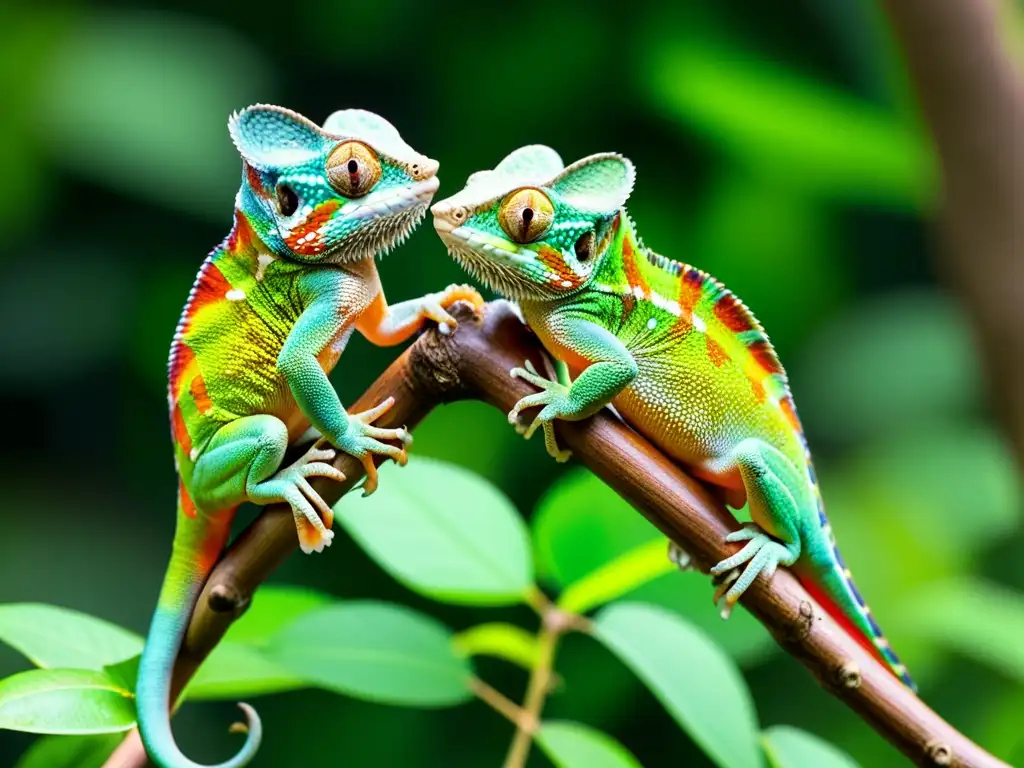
point(363, 440)
point(680, 557)
point(762, 554)
point(554, 398)
point(435, 306)
point(313, 516)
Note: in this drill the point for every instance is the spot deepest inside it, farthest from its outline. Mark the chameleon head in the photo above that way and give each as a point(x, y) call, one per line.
point(335, 194)
point(532, 228)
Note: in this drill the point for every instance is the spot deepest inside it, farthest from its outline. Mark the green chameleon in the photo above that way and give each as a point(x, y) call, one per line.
point(678, 356)
point(268, 316)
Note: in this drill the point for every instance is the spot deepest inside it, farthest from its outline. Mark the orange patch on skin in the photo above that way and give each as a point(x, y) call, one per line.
point(758, 389)
point(188, 508)
point(633, 276)
point(691, 289)
point(716, 354)
point(790, 412)
point(311, 226)
point(200, 395)
point(179, 430)
point(210, 288)
point(554, 261)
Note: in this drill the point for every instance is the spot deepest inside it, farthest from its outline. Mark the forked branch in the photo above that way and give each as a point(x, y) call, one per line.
point(474, 363)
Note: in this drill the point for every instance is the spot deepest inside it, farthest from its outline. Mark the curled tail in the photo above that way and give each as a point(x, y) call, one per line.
point(829, 581)
point(197, 545)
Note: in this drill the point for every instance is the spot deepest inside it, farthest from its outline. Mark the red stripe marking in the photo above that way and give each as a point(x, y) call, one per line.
point(833, 610)
point(200, 395)
point(790, 412)
point(765, 355)
point(210, 288)
point(187, 506)
point(179, 430)
point(758, 389)
point(732, 314)
point(320, 216)
point(633, 276)
point(555, 262)
point(691, 289)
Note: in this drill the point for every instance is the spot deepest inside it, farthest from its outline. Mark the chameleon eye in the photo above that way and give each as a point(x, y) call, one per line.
point(353, 169)
point(585, 247)
point(526, 215)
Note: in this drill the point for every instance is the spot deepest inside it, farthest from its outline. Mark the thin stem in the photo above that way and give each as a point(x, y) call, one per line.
point(499, 702)
point(536, 692)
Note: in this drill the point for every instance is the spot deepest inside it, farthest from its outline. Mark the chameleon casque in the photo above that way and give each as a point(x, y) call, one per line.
point(267, 318)
point(680, 358)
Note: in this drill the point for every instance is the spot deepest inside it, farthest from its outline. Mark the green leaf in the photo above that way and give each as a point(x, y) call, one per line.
point(980, 620)
point(235, 670)
point(182, 78)
point(503, 641)
point(572, 745)
point(784, 125)
point(274, 607)
point(695, 681)
point(60, 637)
point(124, 674)
point(70, 751)
point(789, 747)
point(443, 532)
point(581, 525)
point(65, 701)
point(377, 651)
point(619, 577)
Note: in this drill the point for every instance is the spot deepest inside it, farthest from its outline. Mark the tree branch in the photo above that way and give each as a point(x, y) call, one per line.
point(972, 96)
point(474, 363)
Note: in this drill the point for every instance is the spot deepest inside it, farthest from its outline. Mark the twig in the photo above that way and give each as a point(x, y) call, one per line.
point(474, 363)
point(971, 92)
point(536, 690)
point(501, 704)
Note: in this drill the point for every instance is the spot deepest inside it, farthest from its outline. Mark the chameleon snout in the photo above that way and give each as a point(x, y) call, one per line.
point(448, 217)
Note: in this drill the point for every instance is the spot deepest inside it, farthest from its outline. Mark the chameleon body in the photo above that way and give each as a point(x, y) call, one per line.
point(267, 318)
point(680, 358)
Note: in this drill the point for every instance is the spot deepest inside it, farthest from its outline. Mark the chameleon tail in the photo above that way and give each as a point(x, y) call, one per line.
point(197, 545)
point(830, 583)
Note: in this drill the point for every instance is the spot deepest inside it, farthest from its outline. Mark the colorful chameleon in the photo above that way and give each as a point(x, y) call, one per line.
point(679, 356)
point(268, 316)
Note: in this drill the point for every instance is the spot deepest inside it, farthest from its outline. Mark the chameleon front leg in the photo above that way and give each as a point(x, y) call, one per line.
point(321, 324)
point(386, 325)
point(612, 370)
point(243, 463)
point(781, 502)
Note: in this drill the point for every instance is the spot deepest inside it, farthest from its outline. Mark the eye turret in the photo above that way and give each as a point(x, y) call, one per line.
point(353, 169)
point(525, 215)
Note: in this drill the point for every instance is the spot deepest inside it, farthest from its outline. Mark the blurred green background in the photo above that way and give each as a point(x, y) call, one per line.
point(776, 146)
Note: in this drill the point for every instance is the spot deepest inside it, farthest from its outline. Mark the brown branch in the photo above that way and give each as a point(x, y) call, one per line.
point(474, 363)
point(972, 96)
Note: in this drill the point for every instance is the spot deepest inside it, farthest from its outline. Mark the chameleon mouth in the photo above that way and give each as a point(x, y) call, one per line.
point(392, 201)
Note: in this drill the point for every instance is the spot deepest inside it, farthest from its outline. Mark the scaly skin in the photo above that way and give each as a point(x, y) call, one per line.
point(270, 312)
point(679, 356)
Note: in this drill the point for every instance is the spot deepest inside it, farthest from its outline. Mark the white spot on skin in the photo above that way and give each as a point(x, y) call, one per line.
point(445, 329)
point(638, 292)
point(652, 324)
point(235, 294)
point(699, 324)
point(263, 261)
point(567, 284)
point(193, 454)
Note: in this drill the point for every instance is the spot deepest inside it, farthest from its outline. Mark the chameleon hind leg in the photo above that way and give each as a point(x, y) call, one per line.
point(778, 500)
point(242, 462)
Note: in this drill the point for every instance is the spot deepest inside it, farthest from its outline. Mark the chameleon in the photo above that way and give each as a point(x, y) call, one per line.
point(675, 353)
point(268, 316)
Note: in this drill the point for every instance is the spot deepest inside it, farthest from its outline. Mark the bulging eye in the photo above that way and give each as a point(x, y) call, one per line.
point(526, 215)
point(287, 200)
point(353, 169)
